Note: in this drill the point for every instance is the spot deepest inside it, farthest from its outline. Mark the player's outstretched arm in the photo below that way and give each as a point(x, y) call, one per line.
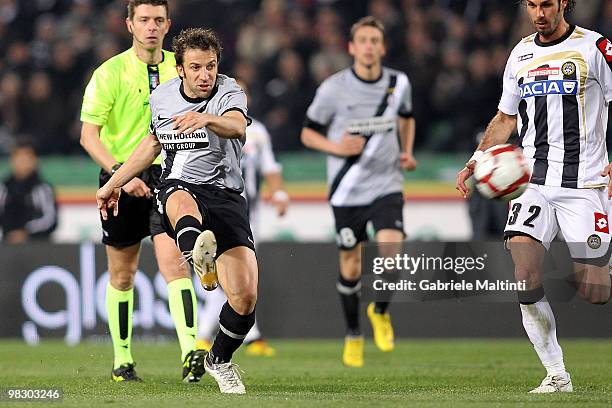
point(231, 125)
point(498, 131)
point(90, 140)
point(140, 159)
point(108, 199)
point(108, 195)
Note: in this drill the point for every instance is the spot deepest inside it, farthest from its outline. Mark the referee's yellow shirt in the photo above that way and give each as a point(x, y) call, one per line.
point(117, 99)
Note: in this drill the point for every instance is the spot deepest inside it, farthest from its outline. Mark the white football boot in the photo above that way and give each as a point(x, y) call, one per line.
point(227, 376)
point(554, 383)
point(203, 258)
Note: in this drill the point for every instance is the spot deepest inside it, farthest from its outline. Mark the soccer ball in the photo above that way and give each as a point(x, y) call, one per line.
point(502, 173)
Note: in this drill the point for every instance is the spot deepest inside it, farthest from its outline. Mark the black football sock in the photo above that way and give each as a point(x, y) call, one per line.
point(186, 232)
point(233, 328)
point(349, 296)
point(384, 298)
point(381, 307)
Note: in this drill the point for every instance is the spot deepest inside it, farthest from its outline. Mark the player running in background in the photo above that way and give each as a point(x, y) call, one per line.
point(257, 163)
point(355, 118)
point(556, 91)
point(116, 117)
point(198, 124)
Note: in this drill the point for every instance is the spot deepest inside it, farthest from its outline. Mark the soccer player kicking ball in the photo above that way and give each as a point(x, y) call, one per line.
point(116, 118)
point(559, 83)
point(198, 124)
point(355, 118)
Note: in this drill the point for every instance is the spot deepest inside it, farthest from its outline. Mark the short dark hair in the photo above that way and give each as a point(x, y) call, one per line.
point(367, 21)
point(570, 5)
point(23, 142)
point(132, 4)
point(196, 39)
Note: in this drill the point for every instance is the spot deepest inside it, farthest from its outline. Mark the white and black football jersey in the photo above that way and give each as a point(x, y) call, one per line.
point(346, 103)
point(561, 91)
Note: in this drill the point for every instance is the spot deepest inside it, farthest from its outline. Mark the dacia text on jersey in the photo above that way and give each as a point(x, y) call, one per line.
point(551, 87)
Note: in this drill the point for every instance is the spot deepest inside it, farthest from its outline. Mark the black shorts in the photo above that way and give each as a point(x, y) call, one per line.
point(224, 212)
point(137, 216)
point(385, 212)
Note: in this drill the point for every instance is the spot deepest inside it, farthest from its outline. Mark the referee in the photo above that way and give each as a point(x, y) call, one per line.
point(116, 117)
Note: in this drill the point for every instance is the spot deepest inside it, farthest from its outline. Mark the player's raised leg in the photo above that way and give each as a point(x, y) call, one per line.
point(238, 275)
point(197, 245)
point(349, 289)
point(122, 265)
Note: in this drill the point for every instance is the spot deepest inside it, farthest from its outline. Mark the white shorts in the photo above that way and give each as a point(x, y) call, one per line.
point(580, 214)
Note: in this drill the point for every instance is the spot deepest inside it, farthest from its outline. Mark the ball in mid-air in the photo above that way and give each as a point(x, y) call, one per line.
point(502, 173)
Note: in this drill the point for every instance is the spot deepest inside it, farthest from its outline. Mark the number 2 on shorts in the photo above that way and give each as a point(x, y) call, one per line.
point(516, 208)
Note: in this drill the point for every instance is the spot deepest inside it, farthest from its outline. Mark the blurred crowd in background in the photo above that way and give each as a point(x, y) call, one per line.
point(454, 52)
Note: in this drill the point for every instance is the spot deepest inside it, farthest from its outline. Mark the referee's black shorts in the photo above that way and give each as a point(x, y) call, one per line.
point(224, 212)
point(137, 216)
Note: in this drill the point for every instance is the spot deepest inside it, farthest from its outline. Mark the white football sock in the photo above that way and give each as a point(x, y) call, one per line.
point(539, 323)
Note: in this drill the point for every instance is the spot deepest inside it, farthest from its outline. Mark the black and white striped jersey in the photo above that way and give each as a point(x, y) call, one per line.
point(560, 92)
point(346, 103)
point(200, 157)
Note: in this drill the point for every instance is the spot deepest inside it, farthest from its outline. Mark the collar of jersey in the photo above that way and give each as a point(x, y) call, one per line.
point(197, 100)
point(559, 40)
point(141, 62)
point(367, 81)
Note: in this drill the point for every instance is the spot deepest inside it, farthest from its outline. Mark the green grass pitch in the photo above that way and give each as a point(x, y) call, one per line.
point(304, 373)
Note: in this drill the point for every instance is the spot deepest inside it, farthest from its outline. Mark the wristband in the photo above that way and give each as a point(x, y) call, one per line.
point(280, 195)
point(115, 168)
point(475, 157)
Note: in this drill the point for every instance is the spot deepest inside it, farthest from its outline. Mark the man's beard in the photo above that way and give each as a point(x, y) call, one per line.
point(553, 26)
